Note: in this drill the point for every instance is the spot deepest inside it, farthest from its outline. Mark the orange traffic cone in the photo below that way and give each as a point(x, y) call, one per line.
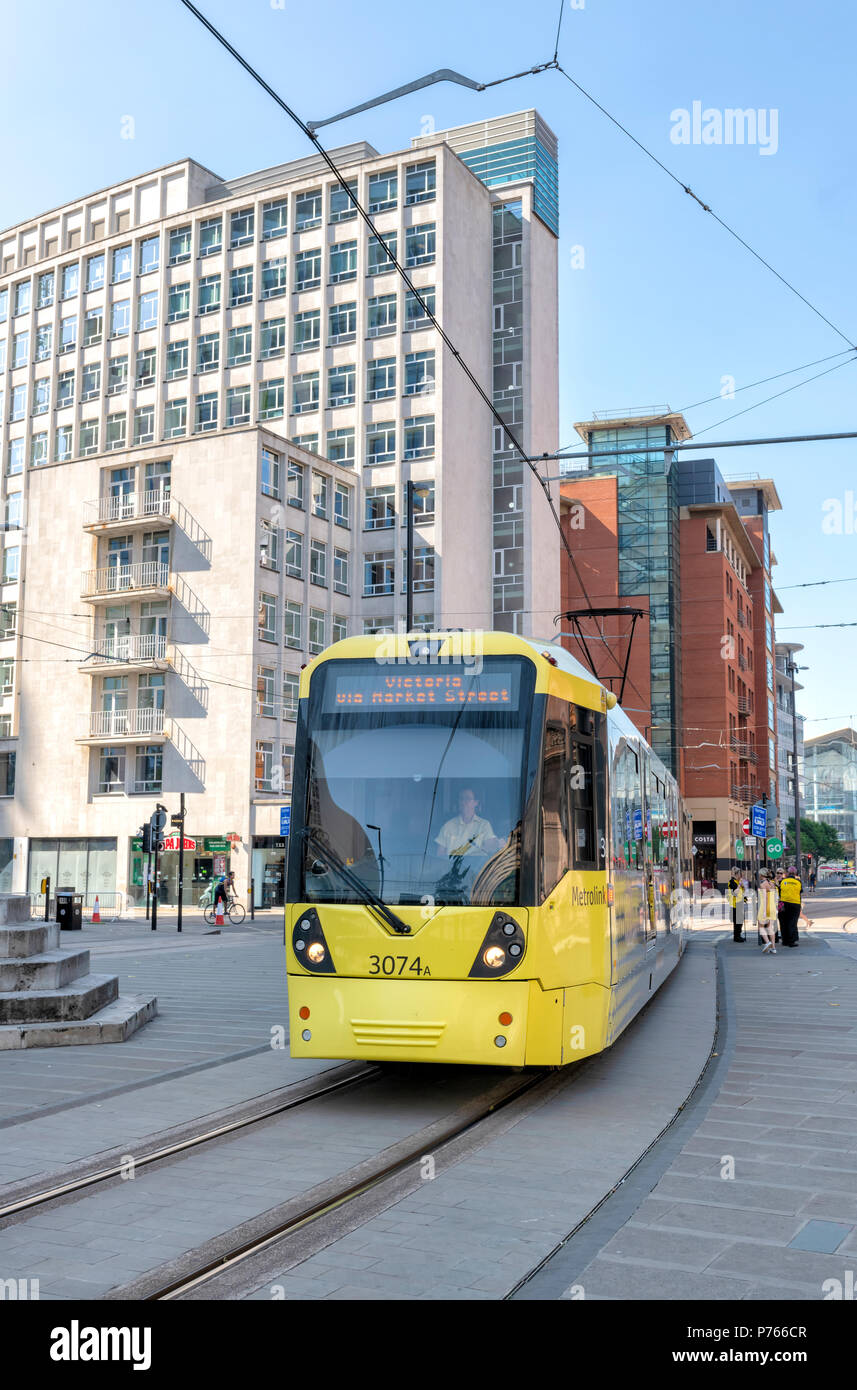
point(96, 915)
point(218, 916)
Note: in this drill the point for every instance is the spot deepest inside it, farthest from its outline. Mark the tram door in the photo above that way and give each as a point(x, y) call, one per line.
point(648, 865)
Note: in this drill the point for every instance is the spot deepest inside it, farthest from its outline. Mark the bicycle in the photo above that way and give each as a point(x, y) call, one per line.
point(234, 910)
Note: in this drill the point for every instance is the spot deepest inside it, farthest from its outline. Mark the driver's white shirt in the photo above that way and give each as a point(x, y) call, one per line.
point(460, 836)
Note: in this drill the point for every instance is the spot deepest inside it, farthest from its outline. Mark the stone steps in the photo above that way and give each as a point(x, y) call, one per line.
point(14, 907)
point(28, 939)
point(70, 1002)
point(47, 971)
point(113, 1024)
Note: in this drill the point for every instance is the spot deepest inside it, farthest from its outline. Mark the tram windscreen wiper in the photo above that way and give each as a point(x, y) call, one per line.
point(378, 906)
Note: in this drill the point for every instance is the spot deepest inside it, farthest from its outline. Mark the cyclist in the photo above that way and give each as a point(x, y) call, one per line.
point(225, 889)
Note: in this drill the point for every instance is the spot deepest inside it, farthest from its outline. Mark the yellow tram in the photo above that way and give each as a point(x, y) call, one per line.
point(487, 863)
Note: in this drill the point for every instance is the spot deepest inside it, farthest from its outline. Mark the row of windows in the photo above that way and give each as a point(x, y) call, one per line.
point(293, 625)
point(419, 250)
point(147, 769)
point(418, 432)
point(285, 550)
point(272, 483)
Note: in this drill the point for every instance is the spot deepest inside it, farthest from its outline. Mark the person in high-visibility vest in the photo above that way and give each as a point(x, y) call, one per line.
point(767, 920)
point(790, 910)
point(735, 898)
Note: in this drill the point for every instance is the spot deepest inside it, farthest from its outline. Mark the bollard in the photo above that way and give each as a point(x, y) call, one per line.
point(47, 889)
point(252, 900)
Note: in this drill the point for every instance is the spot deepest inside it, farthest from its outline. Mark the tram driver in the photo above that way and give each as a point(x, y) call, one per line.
point(468, 833)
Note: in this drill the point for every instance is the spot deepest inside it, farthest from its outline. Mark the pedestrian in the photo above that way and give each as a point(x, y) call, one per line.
point(813, 875)
point(767, 917)
point(735, 894)
point(789, 907)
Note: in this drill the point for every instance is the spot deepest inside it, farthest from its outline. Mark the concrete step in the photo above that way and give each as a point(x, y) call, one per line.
point(29, 940)
point(75, 1001)
point(47, 971)
point(14, 907)
point(112, 1024)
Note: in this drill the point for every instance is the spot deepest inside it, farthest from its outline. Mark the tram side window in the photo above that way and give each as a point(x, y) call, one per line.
point(555, 826)
point(581, 788)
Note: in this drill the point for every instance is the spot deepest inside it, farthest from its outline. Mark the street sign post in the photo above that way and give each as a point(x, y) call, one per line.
point(759, 821)
point(774, 847)
point(739, 849)
point(745, 825)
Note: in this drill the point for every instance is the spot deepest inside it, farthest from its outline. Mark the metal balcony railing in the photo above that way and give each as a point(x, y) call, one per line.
point(191, 677)
point(130, 647)
point(743, 704)
point(113, 723)
point(148, 574)
point(129, 506)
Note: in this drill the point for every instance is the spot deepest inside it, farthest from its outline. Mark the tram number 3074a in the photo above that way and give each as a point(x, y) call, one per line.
point(396, 965)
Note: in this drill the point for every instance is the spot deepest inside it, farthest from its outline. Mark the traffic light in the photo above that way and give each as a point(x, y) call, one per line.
point(146, 831)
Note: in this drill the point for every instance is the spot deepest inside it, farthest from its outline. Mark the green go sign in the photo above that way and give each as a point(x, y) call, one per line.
point(739, 849)
point(774, 848)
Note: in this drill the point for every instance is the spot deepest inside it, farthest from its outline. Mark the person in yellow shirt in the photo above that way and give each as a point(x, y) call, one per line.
point(467, 833)
point(791, 891)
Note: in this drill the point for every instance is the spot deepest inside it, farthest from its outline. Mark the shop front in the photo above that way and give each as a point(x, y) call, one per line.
point(705, 853)
point(269, 870)
point(206, 857)
point(86, 865)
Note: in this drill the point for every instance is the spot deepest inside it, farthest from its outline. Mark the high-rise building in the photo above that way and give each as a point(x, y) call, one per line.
point(184, 327)
point(830, 768)
point(789, 731)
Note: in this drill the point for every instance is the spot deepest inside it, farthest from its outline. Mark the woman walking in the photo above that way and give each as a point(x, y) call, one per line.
point(767, 919)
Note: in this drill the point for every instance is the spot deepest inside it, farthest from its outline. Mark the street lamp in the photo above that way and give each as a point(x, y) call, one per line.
point(791, 670)
point(411, 490)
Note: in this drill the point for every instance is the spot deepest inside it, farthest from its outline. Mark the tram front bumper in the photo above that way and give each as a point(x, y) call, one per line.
point(481, 1022)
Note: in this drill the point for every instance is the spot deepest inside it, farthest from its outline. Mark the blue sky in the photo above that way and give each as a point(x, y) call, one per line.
point(666, 305)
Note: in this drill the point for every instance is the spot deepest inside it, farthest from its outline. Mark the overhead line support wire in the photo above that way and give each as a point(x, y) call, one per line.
point(313, 138)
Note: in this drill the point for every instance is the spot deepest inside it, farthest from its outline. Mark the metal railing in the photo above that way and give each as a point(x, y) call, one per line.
point(110, 723)
point(128, 506)
point(148, 574)
point(189, 600)
point(186, 750)
point(190, 676)
point(131, 647)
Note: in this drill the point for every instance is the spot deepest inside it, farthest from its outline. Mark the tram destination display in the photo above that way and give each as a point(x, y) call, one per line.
point(437, 687)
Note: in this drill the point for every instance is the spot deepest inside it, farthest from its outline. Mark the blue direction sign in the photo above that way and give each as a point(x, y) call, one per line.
point(638, 825)
point(759, 821)
point(285, 819)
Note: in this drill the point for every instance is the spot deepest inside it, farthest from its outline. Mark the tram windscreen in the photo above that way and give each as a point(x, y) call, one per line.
point(415, 781)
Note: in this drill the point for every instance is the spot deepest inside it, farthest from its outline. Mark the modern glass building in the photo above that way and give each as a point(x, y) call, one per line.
point(830, 768)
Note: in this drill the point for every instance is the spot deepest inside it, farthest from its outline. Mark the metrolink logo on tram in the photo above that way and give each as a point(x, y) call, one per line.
point(465, 648)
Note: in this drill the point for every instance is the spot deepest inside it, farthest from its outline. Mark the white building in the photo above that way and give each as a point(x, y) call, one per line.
point(178, 326)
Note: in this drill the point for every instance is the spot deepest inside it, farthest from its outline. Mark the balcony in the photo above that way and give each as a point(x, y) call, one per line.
point(123, 725)
point(743, 704)
point(131, 649)
point(149, 577)
point(743, 792)
point(118, 513)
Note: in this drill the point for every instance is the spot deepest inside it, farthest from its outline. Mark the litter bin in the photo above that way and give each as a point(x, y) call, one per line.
point(69, 909)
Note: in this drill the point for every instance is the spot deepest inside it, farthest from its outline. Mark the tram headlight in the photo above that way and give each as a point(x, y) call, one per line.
point(309, 945)
point(502, 949)
point(316, 952)
point(494, 957)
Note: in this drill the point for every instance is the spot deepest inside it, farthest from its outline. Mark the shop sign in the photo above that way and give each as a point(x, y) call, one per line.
point(201, 844)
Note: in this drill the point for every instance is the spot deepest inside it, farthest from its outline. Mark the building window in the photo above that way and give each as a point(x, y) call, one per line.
point(419, 437)
point(210, 236)
point(23, 293)
point(146, 361)
point(241, 228)
point(264, 766)
point(339, 625)
point(93, 327)
point(41, 395)
point(39, 449)
point(11, 572)
point(380, 378)
point(304, 393)
point(180, 248)
point(147, 311)
point(18, 403)
point(342, 209)
point(208, 295)
point(295, 489)
point(70, 280)
point(420, 182)
point(238, 405)
point(175, 419)
point(291, 694)
point(381, 442)
point(62, 444)
point(306, 441)
point(380, 508)
point(274, 277)
point(88, 437)
point(267, 625)
point(4, 305)
point(317, 619)
point(383, 191)
point(269, 547)
point(176, 360)
point(423, 568)
point(308, 210)
point(423, 504)
point(318, 563)
point(379, 573)
point(148, 770)
point(320, 496)
point(265, 692)
point(341, 324)
point(208, 353)
point(270, 484)
point(117, 376)
point(12, 518)
point(272, 399)
point(241, 286)
point(420, 245)
point(275, 219)
point(150, 254)
point(21, 349)
point(144, 424)
point(415, 315)
point(116, 431)
point(8, 618)
point(340, 447)
point(294, 555)
point(43, 343)
point(205, 417)
point(293, 624)
point(15, 459)
point(68, 334)
point(120, 318)
point(343, 262)
point(308, 269)
point(46, 288)
point(111, 770)
point(379, 261)
point(121, 264)
point(340, 571)
point(342, 505)
point(373, 625)
point(273, 339)
point(178, 303)
point(419, 373)
point(90, 384)
point(307, 330)
point(239, 346)
point(65, 389)
point(341, 385)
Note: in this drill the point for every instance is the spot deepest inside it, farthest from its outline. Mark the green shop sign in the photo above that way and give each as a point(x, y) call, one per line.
point(193, 844)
